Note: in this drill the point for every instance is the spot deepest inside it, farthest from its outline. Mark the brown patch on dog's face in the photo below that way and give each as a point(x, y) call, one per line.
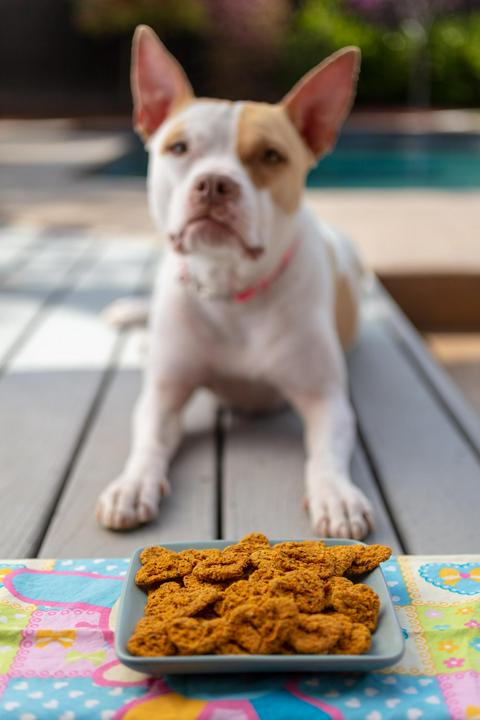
point(274, 154)
point(175, 135)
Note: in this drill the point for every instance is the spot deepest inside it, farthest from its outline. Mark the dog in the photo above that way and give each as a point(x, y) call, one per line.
point(255, 299)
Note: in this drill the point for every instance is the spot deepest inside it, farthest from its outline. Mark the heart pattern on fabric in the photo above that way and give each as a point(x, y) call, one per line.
point(462, 578)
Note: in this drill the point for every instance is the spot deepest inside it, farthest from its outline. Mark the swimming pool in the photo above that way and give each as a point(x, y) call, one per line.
point(372, 160)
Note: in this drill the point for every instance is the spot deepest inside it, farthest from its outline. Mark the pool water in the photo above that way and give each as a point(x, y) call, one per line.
point(372, 160)
point(440, 160)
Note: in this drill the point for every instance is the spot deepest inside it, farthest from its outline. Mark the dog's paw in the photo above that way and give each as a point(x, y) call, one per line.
point(338, 508)
point(127, 311)
point(127, 502)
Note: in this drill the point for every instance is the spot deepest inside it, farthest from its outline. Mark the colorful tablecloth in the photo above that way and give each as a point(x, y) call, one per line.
point(57, 658)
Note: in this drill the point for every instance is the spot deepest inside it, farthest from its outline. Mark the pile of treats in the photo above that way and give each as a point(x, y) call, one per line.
point(254, 598)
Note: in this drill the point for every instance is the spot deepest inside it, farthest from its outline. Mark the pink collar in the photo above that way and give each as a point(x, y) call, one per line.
point(250, 292)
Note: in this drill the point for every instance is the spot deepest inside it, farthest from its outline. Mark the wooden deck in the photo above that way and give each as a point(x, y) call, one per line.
point(68, 383)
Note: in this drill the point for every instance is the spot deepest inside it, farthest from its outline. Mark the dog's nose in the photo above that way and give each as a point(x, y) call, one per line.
point(215, 189)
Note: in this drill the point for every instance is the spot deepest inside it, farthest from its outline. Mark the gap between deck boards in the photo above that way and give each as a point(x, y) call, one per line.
point(219, 431)
point(144, 283)
point(378, 485)
point(90, 416)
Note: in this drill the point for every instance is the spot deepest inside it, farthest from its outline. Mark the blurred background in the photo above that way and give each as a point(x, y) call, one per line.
point(404, 180)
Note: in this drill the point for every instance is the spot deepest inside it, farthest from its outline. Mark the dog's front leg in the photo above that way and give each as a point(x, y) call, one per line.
point(134, 497)
point(336, 506)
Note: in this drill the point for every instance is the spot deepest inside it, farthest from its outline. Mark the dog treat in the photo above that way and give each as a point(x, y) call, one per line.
point(254, 598)
point(168, 566)
point(343, 557)
point(355, 638)
point(253, 541)
point(292, 556)
point(151, 638)
point(154, 553)
point(194, 556)
point(228, 564)
point(172, 600)
point(316, 634)
point(177, 636)
point(358, 602)
point(239, 592)
point(194, 636)
point(304, 587)
point(367, 558)
point(261, 627)
point(192, 581)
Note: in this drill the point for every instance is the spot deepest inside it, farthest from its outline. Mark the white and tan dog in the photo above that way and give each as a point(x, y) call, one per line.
point(255, 298)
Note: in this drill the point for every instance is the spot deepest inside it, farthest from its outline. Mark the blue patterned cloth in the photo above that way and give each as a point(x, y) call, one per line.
point(57, 659)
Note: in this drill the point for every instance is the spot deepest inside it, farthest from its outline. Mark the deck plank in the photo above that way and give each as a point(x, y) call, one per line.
point(16, 245)
point(69, 383)
point(48, 389)
point(188, 514)
point(36, 285)
point(263, 486)
point(428, 471)
point(435, 376)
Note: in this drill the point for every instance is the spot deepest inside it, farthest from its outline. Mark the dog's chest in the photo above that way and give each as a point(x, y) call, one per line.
point(243, 340)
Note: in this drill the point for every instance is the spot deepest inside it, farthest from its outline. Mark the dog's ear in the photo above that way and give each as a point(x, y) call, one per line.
point(319, 103)
point(158, 81)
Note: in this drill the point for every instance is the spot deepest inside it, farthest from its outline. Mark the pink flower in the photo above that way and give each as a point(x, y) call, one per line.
point(454, 662)
point(472, 624)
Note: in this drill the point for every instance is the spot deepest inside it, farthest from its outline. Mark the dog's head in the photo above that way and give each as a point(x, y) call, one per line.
point(228, 176)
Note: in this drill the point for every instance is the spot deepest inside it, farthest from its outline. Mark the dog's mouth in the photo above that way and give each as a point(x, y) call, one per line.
point(211, 232)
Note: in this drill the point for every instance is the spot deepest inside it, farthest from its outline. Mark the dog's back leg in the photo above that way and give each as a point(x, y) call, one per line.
point(350, 275)
point(127, 311)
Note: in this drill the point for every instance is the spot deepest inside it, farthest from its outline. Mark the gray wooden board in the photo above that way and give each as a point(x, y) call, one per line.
point(16, 246)
point(428, 472)
point(47, 393)
point(263, 486)
point(434, 375)
point(420, 440)
point(51, 268)
point(189, 513)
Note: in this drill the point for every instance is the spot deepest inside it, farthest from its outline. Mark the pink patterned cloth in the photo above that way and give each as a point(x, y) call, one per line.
point(57, 658)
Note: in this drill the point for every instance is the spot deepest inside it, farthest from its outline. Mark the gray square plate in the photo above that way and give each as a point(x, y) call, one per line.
point(387, 643)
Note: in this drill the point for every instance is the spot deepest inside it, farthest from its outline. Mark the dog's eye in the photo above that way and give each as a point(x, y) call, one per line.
point(178, 148)
point(270, 156)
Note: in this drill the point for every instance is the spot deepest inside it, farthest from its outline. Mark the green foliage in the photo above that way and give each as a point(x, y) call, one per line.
point(389, 54)
point(454, 46)
point(280, 40)
point(322, 26)
point(117, 17)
